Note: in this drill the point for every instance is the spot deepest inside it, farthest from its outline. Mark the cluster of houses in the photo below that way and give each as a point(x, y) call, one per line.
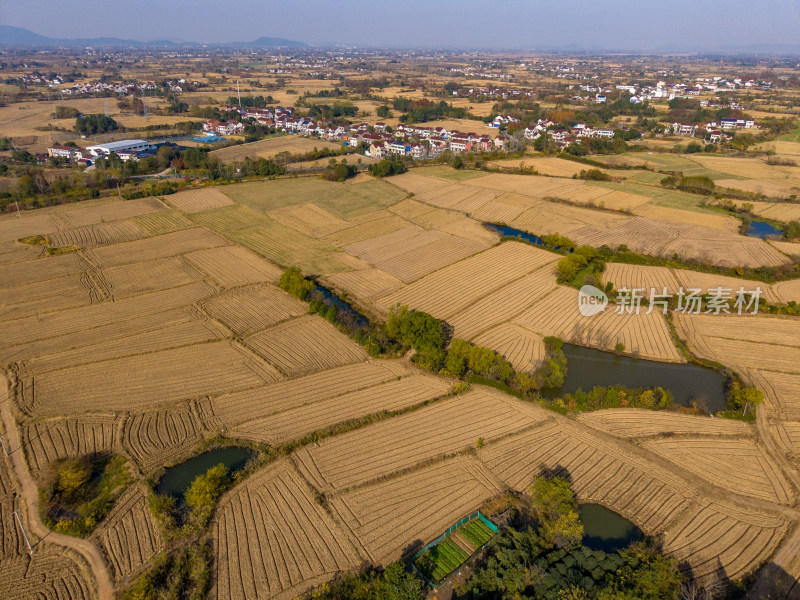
point(407, 140)
point(493, 92)
point(424, 142)
point(565, 137)
point(130, 89)
point(714, 131)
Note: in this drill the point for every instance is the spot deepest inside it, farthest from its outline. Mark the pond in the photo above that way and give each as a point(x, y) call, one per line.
point(763, 230)
point(605, 530)
point(176, 480)
point(587, 367)
point(506, 231)
point(345, 309)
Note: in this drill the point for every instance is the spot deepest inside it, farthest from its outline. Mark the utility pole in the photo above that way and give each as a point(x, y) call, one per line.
point(25, 535)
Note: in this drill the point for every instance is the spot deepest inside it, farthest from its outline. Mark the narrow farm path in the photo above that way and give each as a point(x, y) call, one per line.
point(30, 495)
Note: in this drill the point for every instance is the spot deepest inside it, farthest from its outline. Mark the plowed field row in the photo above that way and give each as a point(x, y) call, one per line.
point(305, 344)
point(366, 284)
point(53, 439)
point(52, 574)
point(272, 540)
point(228, 219)
point(170, 335)
point(249, 309)
point(143, 277)
point(718, 538)
point(447, 196)
point(162, 246)
point(387, 223)
point(98, 235)
point(156, 437)
point(143, 381)
point(192, 201)
point(42, 297)
point(503, 304)
point(633, 423)
point(444, 428)
point(641, 277)
point(417, 184)
point(391, 245)
point(165, 221)
point(387, 516)
point(521, 347)
point(293, 424)
point(39, 270)
point(737, 465)
point(281, 244)
point(86, 214)
point(251, 404)
point(309, 219)
point(129, 535)
point(232, 265)
point(456, 287)
point(419, 261)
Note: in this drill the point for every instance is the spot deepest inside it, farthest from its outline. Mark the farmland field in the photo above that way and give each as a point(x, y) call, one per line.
point(166, 332)
point(422, 505)
point(362, 456)
point(305, 344)
point(271, 537)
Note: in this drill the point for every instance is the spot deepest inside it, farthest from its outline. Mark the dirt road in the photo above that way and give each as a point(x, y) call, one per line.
point(30, 496)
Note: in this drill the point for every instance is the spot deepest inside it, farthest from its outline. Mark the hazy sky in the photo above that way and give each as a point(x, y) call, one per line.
point(623, 24)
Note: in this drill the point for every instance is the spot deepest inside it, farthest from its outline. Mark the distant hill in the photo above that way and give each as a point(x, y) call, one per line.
point(270, 42)
point(17, 36)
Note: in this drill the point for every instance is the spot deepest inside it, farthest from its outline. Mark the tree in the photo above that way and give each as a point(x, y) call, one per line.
point(26, 187)
point(399, 585)
point(382, 111)
point(73, 475)
point(565, 531)
point(744, 397)
point(91, 124)
point(292, 281)
point(202, 495)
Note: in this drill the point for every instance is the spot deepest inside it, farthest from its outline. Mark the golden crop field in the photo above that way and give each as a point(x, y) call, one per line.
point(422, 505)
point(192, 201)
point(305, 344)
point(736, 464)
point(254, 560)
point(282, 427)
point(245, 310)
point(645, 334)
point(129, 535)
point(457, 286)
point(442, 429)
point(779, 211)
point(521, 347)
point(634, 423)
point(721, 536)
point(503, 304)
point(639, 490)
point(241, 407)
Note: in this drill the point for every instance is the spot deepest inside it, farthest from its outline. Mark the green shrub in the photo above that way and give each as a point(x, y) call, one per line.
point(292, 281)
